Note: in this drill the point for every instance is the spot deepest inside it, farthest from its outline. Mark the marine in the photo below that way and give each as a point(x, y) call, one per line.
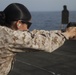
point(12, 42)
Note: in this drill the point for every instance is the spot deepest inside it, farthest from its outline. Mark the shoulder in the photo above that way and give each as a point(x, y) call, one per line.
point(4, 28)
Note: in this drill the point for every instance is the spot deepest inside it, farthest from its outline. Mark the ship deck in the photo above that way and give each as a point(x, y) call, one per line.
point(60, 62)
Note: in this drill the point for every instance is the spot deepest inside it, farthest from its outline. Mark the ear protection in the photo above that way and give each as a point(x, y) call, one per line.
point(19, 25)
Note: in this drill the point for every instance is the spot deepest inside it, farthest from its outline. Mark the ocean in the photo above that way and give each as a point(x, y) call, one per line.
point(49, 20)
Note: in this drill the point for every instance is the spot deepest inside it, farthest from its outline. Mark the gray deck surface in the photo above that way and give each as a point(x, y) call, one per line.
point(60, 62)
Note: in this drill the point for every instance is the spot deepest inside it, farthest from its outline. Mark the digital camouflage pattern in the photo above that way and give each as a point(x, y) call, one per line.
point(12, 41)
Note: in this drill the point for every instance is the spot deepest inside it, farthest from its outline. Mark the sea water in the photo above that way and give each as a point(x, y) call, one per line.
point(49, 20)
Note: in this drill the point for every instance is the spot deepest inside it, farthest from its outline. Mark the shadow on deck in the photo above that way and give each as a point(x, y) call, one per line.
point(60, 62)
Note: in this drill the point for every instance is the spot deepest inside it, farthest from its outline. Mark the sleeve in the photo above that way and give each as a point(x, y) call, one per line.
point(37, 39)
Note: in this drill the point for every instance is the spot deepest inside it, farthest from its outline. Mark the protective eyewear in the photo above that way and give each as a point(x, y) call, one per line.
point(28, 23)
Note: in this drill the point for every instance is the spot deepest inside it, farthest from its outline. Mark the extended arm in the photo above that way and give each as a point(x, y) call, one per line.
point(37, 39)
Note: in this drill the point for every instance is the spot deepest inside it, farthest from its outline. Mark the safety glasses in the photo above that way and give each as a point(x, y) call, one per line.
point(28, 23)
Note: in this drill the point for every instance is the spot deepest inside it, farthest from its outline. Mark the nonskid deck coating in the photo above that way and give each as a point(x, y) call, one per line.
point(60, 62)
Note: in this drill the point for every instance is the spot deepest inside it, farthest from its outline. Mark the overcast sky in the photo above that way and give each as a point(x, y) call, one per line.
point(42, 5)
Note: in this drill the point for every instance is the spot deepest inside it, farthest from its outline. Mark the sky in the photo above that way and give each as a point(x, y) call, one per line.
point(42, 5)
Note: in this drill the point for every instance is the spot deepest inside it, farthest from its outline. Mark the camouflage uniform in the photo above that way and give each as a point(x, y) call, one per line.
point(12, 41)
